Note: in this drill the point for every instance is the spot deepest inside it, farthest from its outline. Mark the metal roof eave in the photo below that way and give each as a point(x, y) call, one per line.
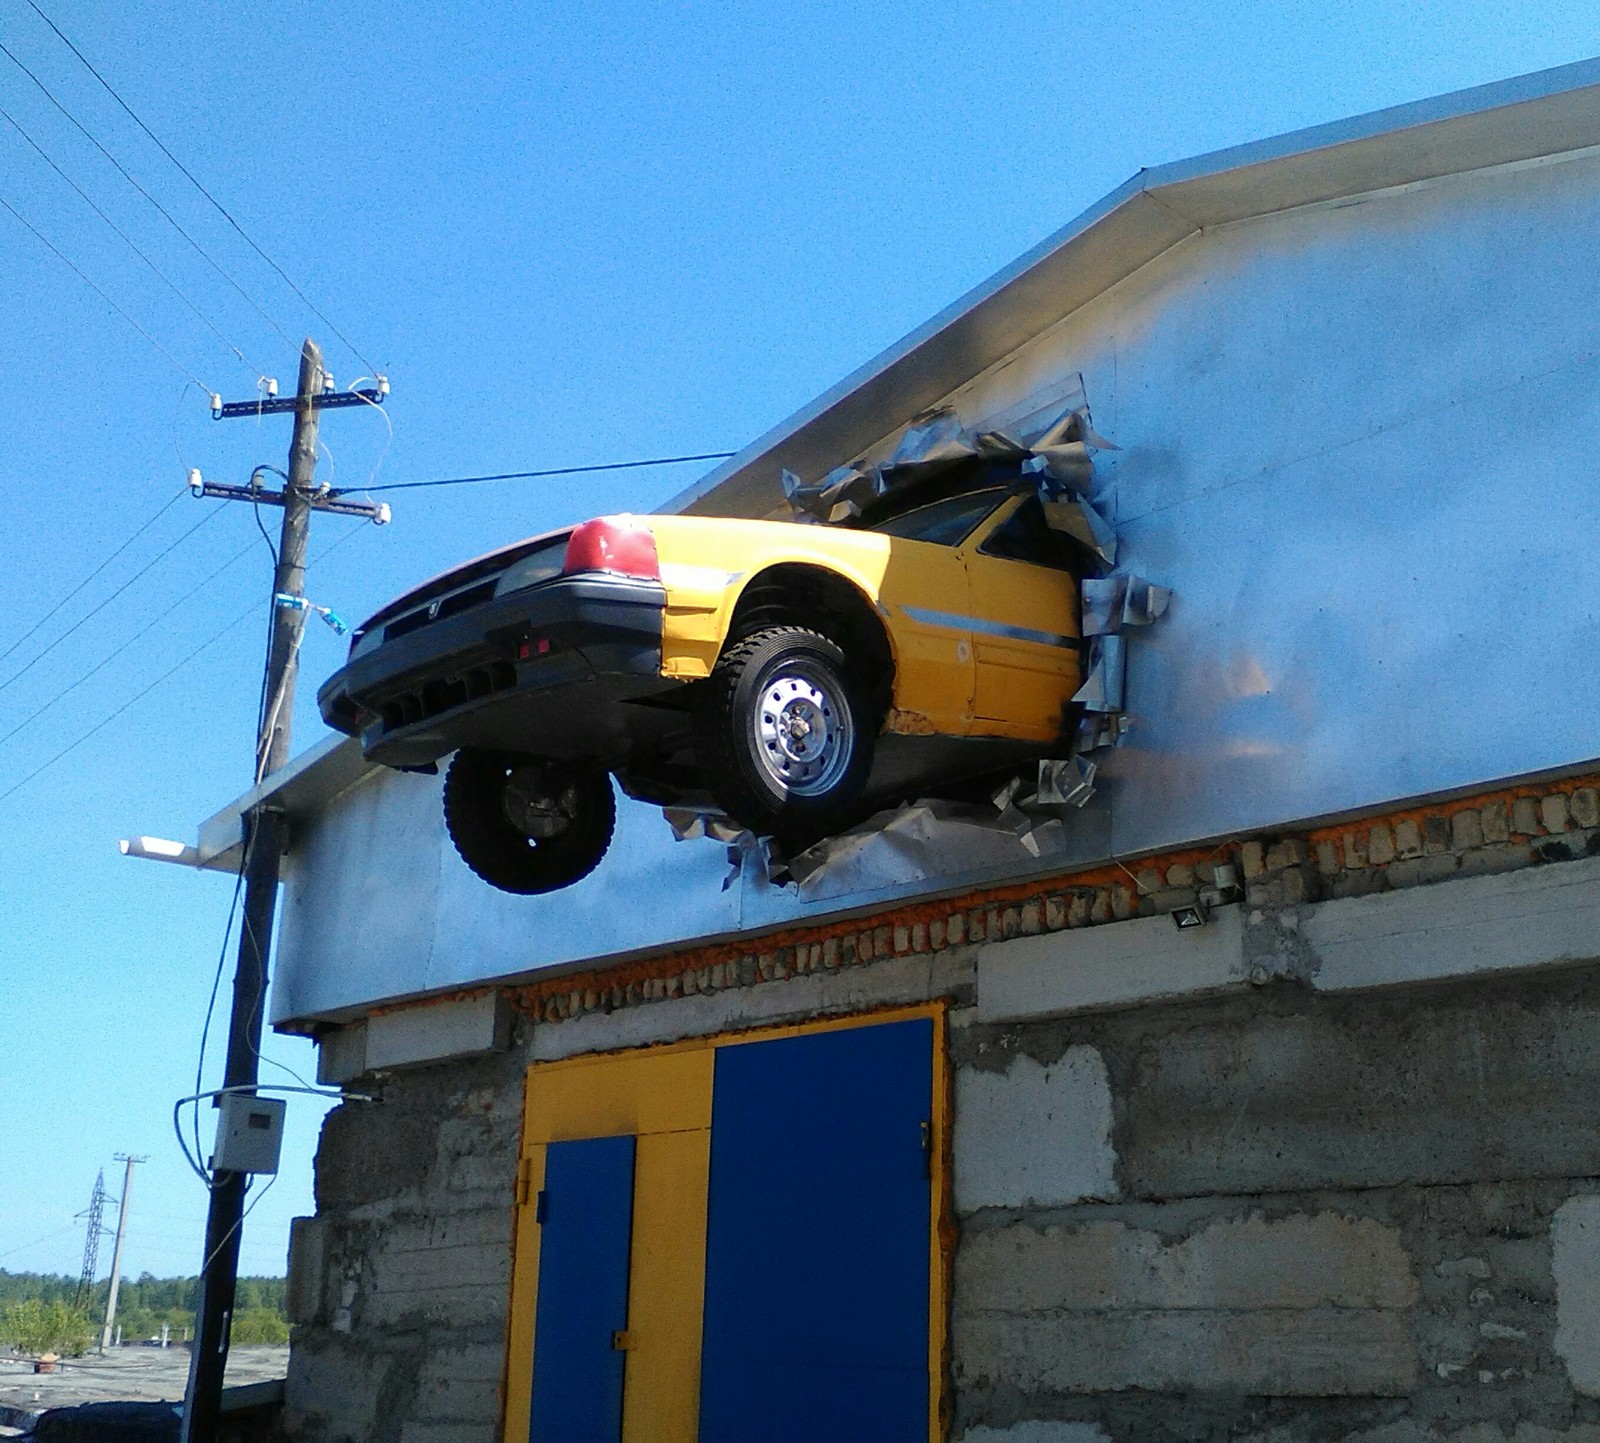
point(301, 788)
point(1548, 112)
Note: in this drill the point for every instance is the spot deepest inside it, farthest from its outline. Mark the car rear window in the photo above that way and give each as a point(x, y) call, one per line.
point(944, 523)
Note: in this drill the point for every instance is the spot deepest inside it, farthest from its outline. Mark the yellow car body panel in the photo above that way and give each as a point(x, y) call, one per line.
point(982, 646)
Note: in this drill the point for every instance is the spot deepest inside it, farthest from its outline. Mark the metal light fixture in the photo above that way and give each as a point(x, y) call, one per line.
point(1195, 914)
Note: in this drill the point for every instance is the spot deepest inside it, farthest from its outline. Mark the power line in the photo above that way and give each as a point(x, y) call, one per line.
point(166, 675)
point(46, 242)
point(127, 240)
point(76, 590)
point(189, 175)
point(552, 471)
point(90, 615)
point(100, 726)
point(122, 647)
point(170, 218)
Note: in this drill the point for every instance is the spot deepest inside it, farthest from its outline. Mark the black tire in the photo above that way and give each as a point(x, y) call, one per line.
point(796, 766)
point(525, 824)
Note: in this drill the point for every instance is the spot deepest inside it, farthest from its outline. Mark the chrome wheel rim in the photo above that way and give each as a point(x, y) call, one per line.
point(802, 732)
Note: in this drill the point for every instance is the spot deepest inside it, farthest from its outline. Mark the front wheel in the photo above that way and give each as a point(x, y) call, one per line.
point(786, 736)
point(528, 825)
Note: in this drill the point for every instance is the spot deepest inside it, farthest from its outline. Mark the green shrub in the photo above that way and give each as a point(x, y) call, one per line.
point(258, 1325)
point(32, 1326)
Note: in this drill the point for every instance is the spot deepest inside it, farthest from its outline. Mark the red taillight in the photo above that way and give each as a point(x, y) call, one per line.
point(613, 543)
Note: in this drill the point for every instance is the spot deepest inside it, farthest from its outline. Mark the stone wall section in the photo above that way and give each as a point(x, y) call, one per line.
point(1490, 833)
point(400, 1286)
point(1370, 1218)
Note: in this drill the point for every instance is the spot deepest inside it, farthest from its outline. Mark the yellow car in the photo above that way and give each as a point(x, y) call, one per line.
point(789, 674)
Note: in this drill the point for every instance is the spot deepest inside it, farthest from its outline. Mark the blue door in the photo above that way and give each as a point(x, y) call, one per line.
point(586, 1214)
point(818, 1239)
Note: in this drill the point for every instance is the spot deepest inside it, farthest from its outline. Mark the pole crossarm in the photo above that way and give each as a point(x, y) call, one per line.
point(280, 405)
point(376, 512)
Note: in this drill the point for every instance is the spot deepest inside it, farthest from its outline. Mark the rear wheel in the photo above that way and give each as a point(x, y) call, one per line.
point(527, 824)
point(786, 736)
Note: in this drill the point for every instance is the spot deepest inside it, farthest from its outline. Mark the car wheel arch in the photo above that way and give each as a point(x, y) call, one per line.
point(804, 594)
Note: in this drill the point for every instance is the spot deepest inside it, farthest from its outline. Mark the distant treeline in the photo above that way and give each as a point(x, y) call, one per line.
point(146, 1302)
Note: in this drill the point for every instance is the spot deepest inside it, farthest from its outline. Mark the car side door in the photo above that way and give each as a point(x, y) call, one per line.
point(1025, 623)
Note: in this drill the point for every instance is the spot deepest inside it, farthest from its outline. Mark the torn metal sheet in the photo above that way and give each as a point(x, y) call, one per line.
point(1144, 602)
point(1100, 729)
point(1078, 519)
point(1103, 688)
point(1067, 783)
point(925, 840)
point(842, 495)
point(933, 438)
point(689, 823)
point(1102, 604)
point(1059, 459)
point(1113, 602)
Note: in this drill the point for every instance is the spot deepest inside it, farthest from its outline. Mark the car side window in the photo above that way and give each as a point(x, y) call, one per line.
point(944, 523)
point(1026, 536)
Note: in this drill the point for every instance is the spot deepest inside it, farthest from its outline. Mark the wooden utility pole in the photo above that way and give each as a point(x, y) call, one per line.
point(264, 837)
point(116, 1251)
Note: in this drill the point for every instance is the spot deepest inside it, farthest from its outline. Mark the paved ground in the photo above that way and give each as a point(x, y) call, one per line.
point(131, 1374)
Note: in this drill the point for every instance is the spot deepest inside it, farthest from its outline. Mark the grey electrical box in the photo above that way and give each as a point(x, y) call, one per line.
point(249, 1133)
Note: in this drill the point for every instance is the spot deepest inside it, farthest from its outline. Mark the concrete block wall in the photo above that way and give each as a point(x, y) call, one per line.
point(1286, 1216)
point(1329, 1172)
point(400, 1285)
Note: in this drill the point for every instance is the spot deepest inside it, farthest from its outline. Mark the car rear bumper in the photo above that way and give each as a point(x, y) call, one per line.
point(539, 671)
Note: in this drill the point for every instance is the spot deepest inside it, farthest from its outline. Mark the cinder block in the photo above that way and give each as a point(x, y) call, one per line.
point(1585, 807)
point(1109, 966)
point(1321, 1352)
point(1466, 830)
point(1300, 1262)
point(1407, 839)
point(1554, 814)
point(1575, 1250)
point(1037, 1430)
point(307, 1267)
point(1523, 919)
point(1380, 845)
point(431, 1032)
point(1035, 1135)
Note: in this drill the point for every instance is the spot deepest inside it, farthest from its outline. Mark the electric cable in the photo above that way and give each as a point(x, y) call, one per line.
point(88, 616)
point(170, 672)
point(126, 239)
point(23, 1247)
point(161, 619)
point(137, 697)
point(552, 471)
point(377, 466)
point(77, 590)
point(190, 176)
point(169, 217)
point(45, 241)
point(211, 1004)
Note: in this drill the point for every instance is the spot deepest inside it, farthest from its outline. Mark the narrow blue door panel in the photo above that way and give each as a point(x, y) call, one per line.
point(583, 1291)
point(816, 1309)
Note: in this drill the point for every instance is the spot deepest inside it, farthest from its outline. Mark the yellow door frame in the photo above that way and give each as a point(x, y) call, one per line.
point(662, 1095)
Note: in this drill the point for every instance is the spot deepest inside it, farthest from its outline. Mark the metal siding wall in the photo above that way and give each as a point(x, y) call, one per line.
point(1357, 442)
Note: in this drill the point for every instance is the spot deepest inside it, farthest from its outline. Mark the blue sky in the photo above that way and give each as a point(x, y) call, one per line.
point(570, 235)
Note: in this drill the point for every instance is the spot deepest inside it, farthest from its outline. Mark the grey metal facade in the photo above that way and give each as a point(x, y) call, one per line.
point(1357, 442)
